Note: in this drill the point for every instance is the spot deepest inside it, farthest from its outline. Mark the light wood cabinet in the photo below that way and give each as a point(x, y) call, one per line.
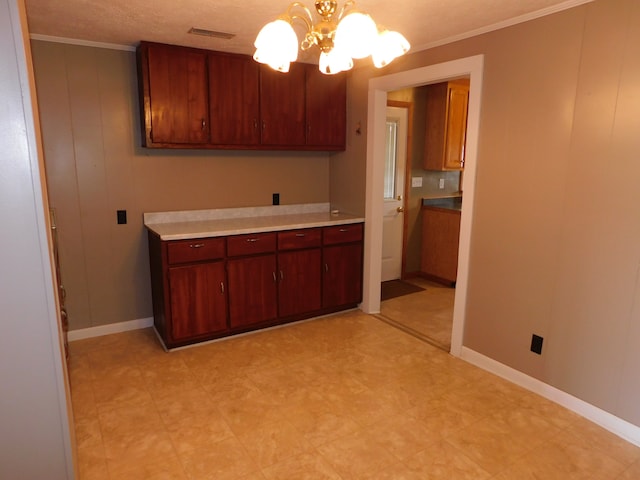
point(446, 129)
point(440, 235)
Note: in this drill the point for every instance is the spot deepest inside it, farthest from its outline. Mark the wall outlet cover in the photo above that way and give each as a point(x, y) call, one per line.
point(536, 344)
point(416, 182)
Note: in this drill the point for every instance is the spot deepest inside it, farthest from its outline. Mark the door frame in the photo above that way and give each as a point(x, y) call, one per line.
point(376, 115)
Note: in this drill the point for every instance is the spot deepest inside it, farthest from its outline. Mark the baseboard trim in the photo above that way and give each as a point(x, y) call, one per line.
point(101, 330)
point(606, 420)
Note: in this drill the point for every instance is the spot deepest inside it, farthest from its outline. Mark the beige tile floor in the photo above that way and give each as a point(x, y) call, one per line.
point(342, 397)
point(427, 314)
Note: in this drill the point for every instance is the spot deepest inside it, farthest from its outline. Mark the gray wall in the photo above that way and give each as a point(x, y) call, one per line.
point(35, 440)
point(555, 242)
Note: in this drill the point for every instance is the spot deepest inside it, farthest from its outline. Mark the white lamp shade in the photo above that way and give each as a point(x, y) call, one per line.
point(276, 45)
point(334, 62)
point(388, 46)
point(356, 34)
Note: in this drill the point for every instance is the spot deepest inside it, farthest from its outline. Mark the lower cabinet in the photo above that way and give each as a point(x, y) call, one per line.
point(342, 269)
point(440, 234)
point(299, 272)
point(342, 279)
point(198, 301)
point(211, 287)
point(252, 290)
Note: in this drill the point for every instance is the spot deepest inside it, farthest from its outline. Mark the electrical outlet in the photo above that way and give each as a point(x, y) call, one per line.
point(276, 199)
point(441, 184)
point(121, 216)
point(536, 344)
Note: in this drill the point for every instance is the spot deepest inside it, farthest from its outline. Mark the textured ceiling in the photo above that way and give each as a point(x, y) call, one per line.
point(425, 23)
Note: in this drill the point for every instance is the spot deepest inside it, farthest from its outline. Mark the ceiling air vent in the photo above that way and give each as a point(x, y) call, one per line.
point(211, 33)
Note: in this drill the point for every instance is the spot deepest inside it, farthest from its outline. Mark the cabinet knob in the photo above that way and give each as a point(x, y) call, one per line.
point(221, 287)
point(204, 124)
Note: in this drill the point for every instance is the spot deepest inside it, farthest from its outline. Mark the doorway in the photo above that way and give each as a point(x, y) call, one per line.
point(378, 88)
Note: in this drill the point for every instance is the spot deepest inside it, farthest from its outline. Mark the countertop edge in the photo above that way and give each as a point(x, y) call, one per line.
point(234, 226)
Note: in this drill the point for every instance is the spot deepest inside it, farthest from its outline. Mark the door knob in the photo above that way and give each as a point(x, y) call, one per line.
point(400, 209)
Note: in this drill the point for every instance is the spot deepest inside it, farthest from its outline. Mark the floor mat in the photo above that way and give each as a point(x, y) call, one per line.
point(397, 288)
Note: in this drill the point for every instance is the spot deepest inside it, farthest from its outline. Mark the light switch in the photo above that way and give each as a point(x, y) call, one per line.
point(416, 181)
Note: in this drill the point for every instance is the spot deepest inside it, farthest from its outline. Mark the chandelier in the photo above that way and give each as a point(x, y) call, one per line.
point(351, 34)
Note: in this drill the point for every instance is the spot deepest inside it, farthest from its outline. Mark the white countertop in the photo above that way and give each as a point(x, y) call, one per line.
point(235, 221)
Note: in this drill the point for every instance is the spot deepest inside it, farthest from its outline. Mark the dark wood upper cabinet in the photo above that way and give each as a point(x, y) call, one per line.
point(193, 98)
point(326, 108)
point(175, 95)
point(282, 105)
point(234, 100)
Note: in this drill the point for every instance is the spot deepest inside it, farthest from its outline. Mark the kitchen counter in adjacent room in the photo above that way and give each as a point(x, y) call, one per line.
point(453, 202)
point(181, 225)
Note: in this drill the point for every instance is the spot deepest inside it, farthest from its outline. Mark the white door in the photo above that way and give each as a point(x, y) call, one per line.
point(394, 177)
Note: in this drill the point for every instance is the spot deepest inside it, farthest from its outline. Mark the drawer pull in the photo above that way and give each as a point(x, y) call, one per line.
point(221, 287)
point(196, 245)
point(344, 230)
point(326, 267)
point(299, 234)
point(252, 240)
point(274, 277)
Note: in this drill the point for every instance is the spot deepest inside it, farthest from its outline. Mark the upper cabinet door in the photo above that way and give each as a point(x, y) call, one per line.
point(174, 82)
point(282, 106)
point(234, 105)
point(326, 108)
point(446, 129)
point(456, 126)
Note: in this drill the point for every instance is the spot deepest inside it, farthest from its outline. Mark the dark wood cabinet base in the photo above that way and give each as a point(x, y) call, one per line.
point(208, 288)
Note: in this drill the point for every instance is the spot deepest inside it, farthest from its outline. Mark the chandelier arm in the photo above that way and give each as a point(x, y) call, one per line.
point(349, 4)
point(308, 20)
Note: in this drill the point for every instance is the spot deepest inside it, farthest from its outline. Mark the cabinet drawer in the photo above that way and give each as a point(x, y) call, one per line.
point(195, 250)
point(303, 238)
point(343, 234)
point(250, 244)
